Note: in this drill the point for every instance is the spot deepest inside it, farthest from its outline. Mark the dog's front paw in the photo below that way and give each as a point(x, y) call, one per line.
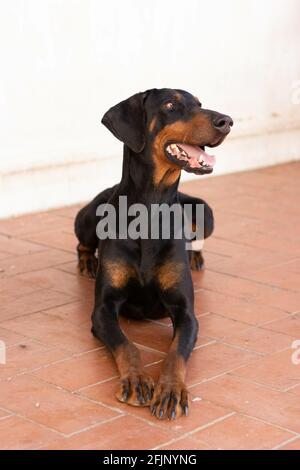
point(196, 260)
point(170, 400)
point(136, 389)
point(87, 265)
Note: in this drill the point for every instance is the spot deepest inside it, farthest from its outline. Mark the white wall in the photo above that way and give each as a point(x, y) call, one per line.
point(64, 62)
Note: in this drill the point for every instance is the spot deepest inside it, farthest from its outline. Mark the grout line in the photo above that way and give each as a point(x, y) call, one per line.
point(52, 247)
point(235, 242)
point(161, 323)
point(71, 356)
point(287, 390)
point(213, 341)
point(148, 348)
point(37, 423)
point(7, 416)
point(154, 422)
point(288, 441)
point(154, 363)
point(261, 385)
point(45, 366)
point(246, 301)
point(237, 411)
point(78, 395)
point(96, 402)
point(29, 242)
point(241, 348)
point(268, 354)
point(282, 428)
point(198, 316)
point(27, 372)
point(261, 283)
point(42, 310)
point(41, 268)
point(200, 428)
point(212, 252)
point(204, 314)
point(282, 333)
point(226, 317)
point(55, 431)
point(178, 439)
point(87, 387)
point(231, 372)
point(250, 299)
point(87, 428)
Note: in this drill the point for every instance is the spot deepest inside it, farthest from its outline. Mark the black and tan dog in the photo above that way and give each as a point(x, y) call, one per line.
point(163, 131)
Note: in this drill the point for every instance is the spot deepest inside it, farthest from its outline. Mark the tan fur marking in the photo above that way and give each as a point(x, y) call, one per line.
point(165, 172)
point(171, 385)
point(119, 273)
point(83, 249)
point(127, 358)
point(169, 274)
point(152, 124)
point(174, 365)
point(134, 380)
point(194, 131)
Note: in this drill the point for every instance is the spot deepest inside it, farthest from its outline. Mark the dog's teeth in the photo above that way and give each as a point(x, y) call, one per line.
point(182, 156)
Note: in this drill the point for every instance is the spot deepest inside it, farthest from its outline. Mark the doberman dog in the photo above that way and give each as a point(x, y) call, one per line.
point(163, 131)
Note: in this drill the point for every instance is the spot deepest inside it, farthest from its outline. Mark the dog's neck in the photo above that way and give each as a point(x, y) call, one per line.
point(138, 179)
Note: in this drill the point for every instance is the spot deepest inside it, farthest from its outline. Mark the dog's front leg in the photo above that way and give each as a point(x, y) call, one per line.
point(136, 386)
point(170, 399)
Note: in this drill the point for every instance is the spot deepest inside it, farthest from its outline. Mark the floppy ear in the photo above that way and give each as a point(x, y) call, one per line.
point(127, 121)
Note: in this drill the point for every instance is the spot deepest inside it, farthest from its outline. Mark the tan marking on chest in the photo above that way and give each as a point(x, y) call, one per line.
point(119, 273)
point(169, 274)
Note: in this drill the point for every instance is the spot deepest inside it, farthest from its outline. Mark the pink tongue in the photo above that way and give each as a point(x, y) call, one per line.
point(195, 152)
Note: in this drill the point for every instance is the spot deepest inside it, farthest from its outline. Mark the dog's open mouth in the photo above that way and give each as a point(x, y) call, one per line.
point(191, 158)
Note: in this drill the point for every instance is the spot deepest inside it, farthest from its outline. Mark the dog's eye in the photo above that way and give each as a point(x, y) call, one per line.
point(169, 105)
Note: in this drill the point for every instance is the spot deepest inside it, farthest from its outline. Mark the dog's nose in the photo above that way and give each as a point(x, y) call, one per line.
point(223, 123)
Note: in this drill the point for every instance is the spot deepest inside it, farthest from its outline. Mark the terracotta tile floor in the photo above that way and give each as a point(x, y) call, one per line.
point(57, 388)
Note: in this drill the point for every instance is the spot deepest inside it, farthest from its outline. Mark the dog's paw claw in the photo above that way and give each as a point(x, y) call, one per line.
point(136, 389)
point(170, 400)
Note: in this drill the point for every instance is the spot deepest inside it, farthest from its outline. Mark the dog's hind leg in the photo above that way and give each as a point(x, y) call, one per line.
point(85, 230)
point(195, 255)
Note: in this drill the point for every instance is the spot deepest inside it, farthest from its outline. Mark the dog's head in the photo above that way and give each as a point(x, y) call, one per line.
point(171, 126)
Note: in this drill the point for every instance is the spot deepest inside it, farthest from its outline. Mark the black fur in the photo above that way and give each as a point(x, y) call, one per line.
point(137, 122)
